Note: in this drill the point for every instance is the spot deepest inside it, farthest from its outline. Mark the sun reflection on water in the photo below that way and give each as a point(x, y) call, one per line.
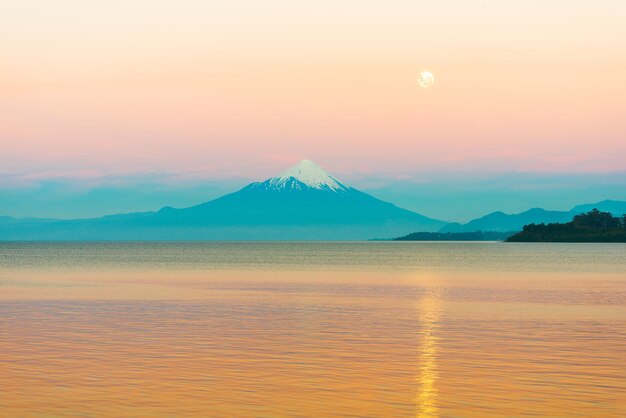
point(426, 399)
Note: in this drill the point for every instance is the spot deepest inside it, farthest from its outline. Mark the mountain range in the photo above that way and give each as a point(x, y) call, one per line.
point(502, 222)
point(302, 203)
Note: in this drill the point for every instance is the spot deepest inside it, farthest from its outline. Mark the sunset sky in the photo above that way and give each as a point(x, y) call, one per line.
point(234, 90)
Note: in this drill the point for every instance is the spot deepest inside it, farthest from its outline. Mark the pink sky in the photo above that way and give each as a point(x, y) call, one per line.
point(246, 88)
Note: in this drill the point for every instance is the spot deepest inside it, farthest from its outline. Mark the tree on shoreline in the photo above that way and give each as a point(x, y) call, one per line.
point(593, 226)
point(596, 219)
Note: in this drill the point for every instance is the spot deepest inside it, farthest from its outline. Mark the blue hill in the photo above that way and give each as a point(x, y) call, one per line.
point(502, 222)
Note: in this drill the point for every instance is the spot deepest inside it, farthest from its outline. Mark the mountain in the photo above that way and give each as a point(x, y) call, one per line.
point(303, 202)
point(616, 207)
point(502, 222)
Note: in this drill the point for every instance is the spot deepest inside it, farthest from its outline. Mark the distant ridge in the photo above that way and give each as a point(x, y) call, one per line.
point(502, 222)
point(616, 207)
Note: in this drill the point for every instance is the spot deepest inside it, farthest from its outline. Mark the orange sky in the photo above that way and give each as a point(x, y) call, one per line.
point(247, 87)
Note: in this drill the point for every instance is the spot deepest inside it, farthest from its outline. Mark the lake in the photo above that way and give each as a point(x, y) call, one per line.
point(367, 329)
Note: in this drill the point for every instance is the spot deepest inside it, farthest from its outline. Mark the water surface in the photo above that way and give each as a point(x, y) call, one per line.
point(376, 329)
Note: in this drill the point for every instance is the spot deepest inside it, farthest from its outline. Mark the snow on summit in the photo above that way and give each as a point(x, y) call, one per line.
point(308, 173)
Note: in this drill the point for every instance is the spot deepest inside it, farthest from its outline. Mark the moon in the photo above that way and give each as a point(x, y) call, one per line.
point(426, 79)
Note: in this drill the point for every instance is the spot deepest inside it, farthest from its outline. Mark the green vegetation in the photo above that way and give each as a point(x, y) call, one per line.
point(456, 236)
point(593, 226)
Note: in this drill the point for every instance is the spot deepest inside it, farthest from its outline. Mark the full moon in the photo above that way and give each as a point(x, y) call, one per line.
point(426, 79)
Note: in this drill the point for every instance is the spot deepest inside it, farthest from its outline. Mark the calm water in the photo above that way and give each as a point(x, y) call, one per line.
point(312, 330)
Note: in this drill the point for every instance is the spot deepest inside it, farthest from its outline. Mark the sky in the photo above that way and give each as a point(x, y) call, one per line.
point(197, 97)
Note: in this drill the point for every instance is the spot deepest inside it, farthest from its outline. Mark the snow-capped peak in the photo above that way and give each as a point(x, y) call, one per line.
point(310, 174)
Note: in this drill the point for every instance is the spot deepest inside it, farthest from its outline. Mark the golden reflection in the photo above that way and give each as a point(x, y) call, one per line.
point(426, 399)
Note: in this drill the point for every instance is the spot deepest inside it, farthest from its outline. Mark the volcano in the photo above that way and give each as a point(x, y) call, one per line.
point(302, 203)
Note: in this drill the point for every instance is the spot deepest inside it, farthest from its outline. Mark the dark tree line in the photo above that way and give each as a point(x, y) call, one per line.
point(597, 219)
point(593, 226)
point(456, 236)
